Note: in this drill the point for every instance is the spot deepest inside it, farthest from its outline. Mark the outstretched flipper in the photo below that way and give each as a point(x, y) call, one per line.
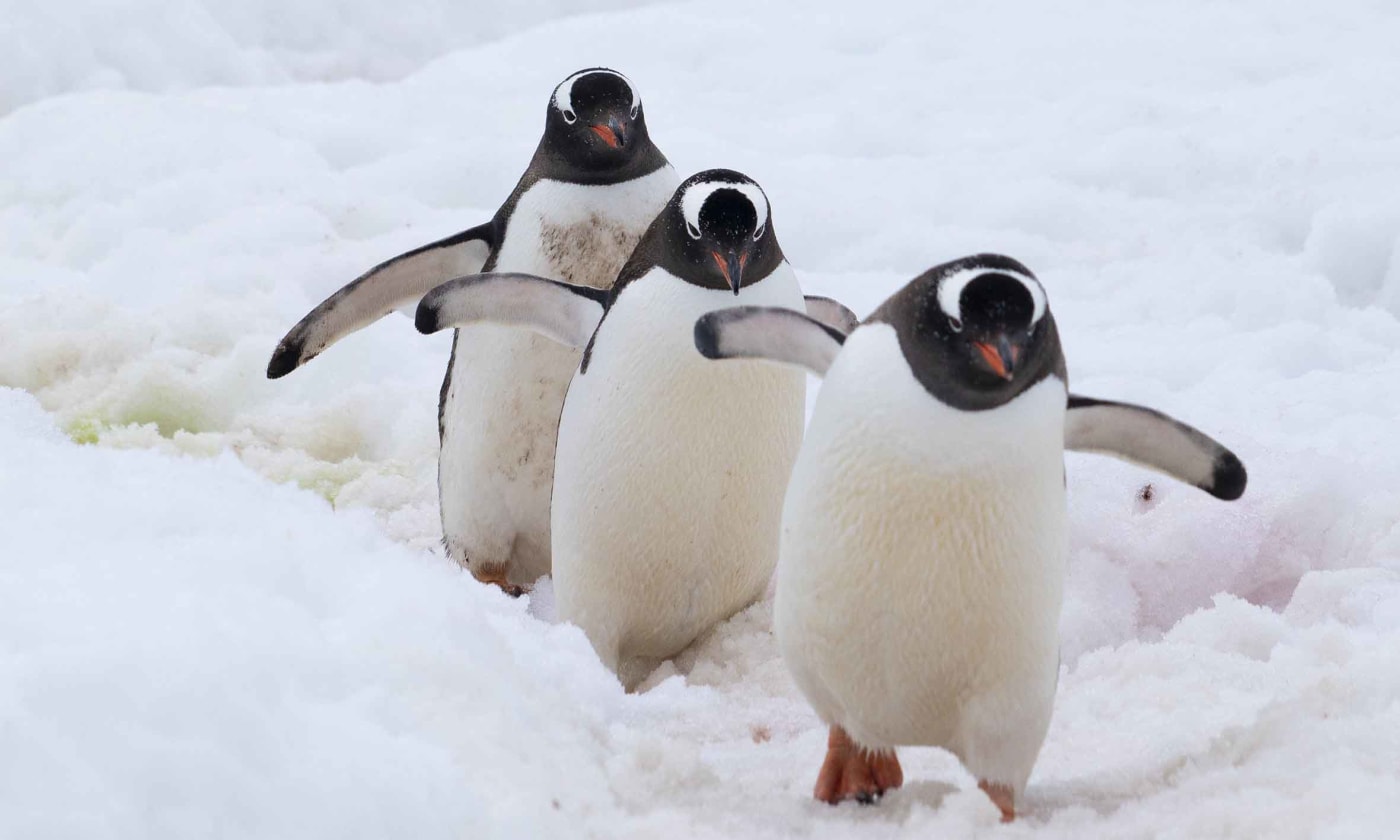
point(378, 292)
point(565, 313)
point(1153, 440)
point(831, 312)
point(768, 332)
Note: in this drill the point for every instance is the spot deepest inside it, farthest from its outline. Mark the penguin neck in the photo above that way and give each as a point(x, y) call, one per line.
point(549, 163)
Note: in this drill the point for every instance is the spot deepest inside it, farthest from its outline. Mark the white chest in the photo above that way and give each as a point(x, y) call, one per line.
point(670, 472)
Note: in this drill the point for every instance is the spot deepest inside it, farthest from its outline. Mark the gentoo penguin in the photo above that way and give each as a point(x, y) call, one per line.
point(594, 184)
point(924, 539)
point(670, 470)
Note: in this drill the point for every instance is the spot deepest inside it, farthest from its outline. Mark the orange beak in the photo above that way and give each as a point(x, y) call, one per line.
point(1001, 358)
point(607, 134)
point(613, 132)
point(732, 267)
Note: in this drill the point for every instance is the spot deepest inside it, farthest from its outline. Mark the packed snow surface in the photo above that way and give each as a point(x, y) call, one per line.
point(222, 608)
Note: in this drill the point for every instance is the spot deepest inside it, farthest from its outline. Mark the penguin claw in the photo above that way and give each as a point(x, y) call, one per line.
point(851, 772)
point(496, 576)
point(1002, 796)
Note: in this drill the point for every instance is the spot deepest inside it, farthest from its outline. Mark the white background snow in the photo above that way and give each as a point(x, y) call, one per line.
point(222, 611)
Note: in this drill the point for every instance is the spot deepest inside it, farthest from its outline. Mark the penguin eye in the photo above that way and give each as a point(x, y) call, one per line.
point(569, 116)
point(955, 324)
point(692, 230)
point(633, 112)
point(758, 234)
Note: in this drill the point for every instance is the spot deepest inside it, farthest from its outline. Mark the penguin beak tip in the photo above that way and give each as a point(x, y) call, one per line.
point(1000, 358)
point(732, 268)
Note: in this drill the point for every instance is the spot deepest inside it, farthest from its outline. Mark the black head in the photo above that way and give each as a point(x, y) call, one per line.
point(595, 126)
point(976, 332)
point(716, 232)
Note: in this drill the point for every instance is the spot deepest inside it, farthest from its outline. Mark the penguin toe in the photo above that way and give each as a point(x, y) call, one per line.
point(850, 772)
point(1002, 796)
point(497, 576)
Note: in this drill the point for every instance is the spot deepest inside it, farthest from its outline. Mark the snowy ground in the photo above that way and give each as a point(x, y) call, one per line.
point(221, 608)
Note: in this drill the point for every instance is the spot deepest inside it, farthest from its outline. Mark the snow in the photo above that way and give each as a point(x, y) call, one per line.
point(56, 48)
point(222, 609)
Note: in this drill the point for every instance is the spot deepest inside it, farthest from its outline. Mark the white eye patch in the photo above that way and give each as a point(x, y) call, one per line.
point(950, 291)
point(564, 94)
point(697, 194)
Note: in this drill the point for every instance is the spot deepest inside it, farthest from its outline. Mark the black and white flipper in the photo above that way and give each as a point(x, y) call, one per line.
point(1153, 440)
point(833, 313)
point(379, 291)
point(772, 333)
point(559, 311)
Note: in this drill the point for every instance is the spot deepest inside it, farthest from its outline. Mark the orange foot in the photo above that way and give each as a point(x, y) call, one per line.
point(496, 576)
point(853, 772)
point(1002, 796)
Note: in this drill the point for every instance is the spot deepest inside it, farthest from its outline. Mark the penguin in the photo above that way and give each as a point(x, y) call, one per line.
point(670, 471)
point(924, 535)
point(595, 183)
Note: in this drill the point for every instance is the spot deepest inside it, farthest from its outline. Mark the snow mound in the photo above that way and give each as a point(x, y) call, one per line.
point(258, 659)
point(186, 650)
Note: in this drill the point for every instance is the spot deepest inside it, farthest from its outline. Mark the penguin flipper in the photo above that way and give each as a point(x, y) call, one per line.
point(379, 291)
point(831, 312)
point(563, 312)
point(1153, 440)
point(769, 332)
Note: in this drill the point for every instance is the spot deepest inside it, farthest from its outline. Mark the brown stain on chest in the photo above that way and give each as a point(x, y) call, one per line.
point(589, 252)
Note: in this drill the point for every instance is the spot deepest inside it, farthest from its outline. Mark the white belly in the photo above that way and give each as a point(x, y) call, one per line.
point(505, 387)
point(670, 474)
point(922, 563)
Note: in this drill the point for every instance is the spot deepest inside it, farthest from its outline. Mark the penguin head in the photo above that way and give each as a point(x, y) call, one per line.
point(718, 231)
point(989, 316)
point(595, 121)
point(977, 331)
